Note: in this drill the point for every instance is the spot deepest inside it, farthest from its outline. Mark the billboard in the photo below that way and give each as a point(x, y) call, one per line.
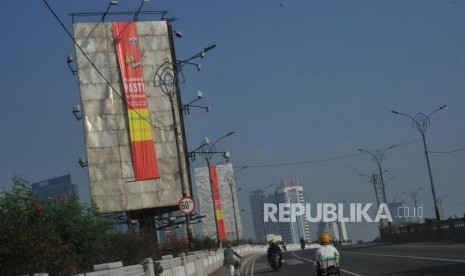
point(223, 182)
point(129, 132)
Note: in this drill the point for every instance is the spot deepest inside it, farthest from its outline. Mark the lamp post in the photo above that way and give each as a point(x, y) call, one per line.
point(378, 157)
point(421, 122)
point(413, 195)
point(207, 150)
point(230, 178)
point(440, 200)
point(374, 179)
point(167, 78)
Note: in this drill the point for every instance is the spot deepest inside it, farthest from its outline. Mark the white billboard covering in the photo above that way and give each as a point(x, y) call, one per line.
point(110, 162)
point(226, 181)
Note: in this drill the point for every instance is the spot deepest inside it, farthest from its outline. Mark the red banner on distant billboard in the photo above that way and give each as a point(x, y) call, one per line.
point(217, 202)
point(140, 130)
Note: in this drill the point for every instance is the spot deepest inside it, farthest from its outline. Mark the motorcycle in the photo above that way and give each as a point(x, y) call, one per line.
point(325, 268)
point(275, 261)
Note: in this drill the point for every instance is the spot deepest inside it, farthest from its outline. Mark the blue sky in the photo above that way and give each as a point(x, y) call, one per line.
point(298, 82)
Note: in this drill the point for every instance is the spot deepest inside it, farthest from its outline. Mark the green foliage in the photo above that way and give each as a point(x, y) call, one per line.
point(204, 243)
point(174, 246)
point(128, 248)
point(57, 237)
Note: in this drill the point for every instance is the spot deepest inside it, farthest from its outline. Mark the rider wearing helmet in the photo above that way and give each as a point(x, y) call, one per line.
point(274, 249)
point(326, 255)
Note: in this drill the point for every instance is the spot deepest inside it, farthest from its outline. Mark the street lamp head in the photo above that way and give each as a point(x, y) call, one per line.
point(69, 59)
point(230, 133)
point(82, 162)
point(206, 141)
point(209, 48)
point(199, 94)
point(226, 155)
point(177, 34)
point(395, 112)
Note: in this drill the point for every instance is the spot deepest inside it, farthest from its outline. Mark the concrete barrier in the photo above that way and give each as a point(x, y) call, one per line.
point(450, 229)
point(194, 263)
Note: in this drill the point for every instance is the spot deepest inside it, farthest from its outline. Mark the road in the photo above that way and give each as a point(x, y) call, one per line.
point(393, 259)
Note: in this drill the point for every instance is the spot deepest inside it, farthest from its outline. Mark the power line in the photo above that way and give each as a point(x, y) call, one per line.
point(95, 67)
point(451, 151)
point(322, 160)
point(304, 162)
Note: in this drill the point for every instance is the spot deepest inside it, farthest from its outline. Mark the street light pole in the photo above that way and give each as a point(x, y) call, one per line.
point(421, 122)
point(378, 157)
point(441, 198)
point(167, 78)
point(230, 179)
point(374, 180)
point(413, 195)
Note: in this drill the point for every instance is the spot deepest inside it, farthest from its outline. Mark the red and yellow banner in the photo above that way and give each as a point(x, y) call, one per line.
point(140, 130)
point(217, 202)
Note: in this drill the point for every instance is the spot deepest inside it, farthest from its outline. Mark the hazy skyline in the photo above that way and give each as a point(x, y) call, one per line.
point(303, 84)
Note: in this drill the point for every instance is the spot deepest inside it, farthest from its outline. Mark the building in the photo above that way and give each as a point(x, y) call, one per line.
point(289, 191)
point(55, 188)
point(263, 229)
point(286, 192)
point(257, 199)
point(337, 230)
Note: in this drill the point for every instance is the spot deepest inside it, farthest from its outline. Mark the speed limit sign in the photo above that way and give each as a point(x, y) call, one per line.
point(186, 205)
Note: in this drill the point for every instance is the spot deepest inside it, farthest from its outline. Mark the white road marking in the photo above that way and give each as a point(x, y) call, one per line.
point(406, 256)
point(250, 266)
point(343, 270)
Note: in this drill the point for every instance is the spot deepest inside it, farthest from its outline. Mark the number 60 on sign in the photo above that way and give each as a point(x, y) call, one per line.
point(186, 205)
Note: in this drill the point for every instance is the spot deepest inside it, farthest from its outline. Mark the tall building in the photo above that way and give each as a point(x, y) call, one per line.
point(256, 207)
point(289, 191)
point(286, 192)
point(55, 188)
point(337, 230)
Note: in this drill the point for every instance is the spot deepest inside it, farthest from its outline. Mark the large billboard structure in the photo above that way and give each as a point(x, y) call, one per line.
point(226, 204)
point(135, 161)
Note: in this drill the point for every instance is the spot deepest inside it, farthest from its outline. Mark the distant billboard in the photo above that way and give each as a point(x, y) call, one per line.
point(54, 187)
point(223, 182)
point(128, 124)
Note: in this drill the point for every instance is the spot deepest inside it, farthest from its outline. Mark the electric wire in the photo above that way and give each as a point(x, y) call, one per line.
point(95, 67)
point(451, 151)
point(322, 160)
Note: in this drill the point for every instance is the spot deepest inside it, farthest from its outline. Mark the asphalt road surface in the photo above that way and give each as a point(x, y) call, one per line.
point(389, 259)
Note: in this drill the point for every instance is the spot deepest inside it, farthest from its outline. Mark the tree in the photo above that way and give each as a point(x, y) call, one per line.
point(60, 237)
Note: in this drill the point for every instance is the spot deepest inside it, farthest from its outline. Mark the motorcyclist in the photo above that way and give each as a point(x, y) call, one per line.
point(274, 249)
point(326, 256)
point(302, 243)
